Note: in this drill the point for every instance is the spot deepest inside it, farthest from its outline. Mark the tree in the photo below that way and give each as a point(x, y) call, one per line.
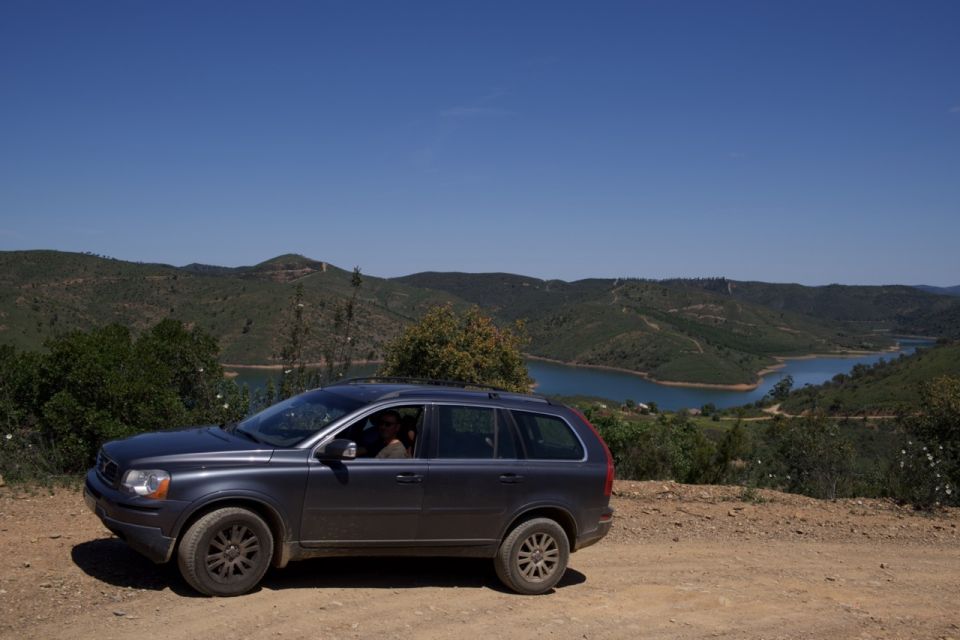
point(469, 347)
point(782, 389)
point(294, 379)
point(814, 456)
point(339, 354)
point(89, 387)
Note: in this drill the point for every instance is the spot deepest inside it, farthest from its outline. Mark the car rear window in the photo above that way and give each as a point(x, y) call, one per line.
point(475, 433)
point(547, 437)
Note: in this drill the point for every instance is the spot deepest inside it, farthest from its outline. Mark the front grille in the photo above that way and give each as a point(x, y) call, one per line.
point(107, 469)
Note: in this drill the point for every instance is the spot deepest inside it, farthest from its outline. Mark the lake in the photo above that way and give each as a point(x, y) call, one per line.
point(571, 380)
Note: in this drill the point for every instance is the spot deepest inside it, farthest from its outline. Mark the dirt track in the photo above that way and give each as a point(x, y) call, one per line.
point(682, 562)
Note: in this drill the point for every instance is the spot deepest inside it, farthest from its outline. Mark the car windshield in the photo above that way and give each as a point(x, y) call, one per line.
point(289, 422)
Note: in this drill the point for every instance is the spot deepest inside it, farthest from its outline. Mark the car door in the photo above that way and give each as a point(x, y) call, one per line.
point(473, 483)
point(366, 501)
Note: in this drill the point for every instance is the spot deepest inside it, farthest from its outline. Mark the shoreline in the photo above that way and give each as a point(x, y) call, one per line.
point(740, 386)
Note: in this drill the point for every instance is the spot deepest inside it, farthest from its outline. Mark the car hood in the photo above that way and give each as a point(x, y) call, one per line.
point(199, 446)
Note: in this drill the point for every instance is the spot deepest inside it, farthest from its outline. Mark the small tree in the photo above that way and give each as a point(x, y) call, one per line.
point(294, 378)
point(339, 353)
point(814, 456)
point(467, 346)
point(782, 389)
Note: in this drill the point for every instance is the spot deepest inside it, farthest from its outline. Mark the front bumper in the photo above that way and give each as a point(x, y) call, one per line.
point(142, 526)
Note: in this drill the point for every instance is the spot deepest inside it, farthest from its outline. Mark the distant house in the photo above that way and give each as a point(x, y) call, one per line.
point(693, 412)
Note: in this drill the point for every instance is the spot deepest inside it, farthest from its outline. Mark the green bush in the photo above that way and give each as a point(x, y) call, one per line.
point(447, 345)
point(58, 407)
point(669, 448)
point(811, 456)
point(929, 464)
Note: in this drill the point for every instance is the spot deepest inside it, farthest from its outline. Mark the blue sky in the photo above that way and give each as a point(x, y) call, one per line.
point(811, 142)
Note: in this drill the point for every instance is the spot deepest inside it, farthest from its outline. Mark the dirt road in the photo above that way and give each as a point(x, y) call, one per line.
point(682, 562)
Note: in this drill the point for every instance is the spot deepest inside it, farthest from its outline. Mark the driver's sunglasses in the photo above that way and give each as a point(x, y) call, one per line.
point(388, 423)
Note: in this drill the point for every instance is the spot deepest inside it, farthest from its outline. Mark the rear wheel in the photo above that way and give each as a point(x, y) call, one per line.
point(533, 557)
point(226, 552)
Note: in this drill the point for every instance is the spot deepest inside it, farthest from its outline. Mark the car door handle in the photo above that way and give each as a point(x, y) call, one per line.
point(511, 478)
point(409, 478)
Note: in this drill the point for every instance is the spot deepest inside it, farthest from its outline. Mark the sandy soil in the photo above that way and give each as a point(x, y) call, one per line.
point(682, 562)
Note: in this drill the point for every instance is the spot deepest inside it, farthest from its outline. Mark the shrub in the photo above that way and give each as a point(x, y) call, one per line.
point(469, 347)
point(58, 407)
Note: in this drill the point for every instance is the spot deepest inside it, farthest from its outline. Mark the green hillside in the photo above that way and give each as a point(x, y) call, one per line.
point(671, 331)
point(697, 331)
point(884, 388)
point(894, 308)
point(45, 293)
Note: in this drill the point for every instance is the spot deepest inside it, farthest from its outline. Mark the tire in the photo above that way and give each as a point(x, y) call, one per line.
point(226, 552)
point(533, 557)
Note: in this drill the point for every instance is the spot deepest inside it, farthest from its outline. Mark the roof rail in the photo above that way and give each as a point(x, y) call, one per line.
point(459, 384)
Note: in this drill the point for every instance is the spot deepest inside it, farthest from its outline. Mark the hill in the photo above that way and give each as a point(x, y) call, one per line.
point(943, 291)
point(703, 332)
point(885, 388)
point(889, 308)
point(43, 293)
point(668, 330)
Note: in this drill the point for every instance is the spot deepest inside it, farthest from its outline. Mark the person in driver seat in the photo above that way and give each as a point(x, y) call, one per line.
point(388, 424)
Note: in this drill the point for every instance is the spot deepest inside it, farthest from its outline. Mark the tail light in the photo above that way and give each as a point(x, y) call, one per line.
point(608, 484)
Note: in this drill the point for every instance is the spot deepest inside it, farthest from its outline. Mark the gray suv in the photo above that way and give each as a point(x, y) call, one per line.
point(375, 467)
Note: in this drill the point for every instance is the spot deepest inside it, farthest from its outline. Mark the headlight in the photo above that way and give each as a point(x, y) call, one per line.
point(152, 483)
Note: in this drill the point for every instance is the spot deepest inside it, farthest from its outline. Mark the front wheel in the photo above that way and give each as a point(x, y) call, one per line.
point(226, 552)
point(533, 557)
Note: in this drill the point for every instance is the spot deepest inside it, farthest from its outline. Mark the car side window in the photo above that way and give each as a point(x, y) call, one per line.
point(473, 433)
point(366, 434)
point(547, 437)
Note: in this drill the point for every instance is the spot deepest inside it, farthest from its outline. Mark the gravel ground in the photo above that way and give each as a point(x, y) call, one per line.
point(682, 561)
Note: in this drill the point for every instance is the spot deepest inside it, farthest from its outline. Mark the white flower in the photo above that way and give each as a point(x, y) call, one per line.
point(219, 395)
point(910, 442)
point(903, 452)
point(949, 491)
point(200, 370)
point(901, 464)
point(9, 436)
point(287, 371)
point(300, 305)
point(226, 406)
point(924, 448)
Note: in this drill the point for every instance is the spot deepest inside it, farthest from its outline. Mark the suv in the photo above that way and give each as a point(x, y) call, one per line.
point(478, 472)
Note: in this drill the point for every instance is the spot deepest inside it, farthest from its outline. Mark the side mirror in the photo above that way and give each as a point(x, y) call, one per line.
point(339, 449)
